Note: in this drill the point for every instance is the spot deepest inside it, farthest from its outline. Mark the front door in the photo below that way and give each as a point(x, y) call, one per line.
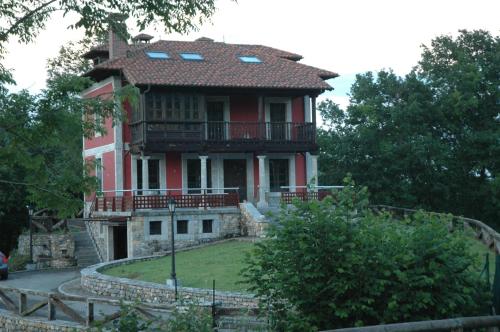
point(277, 116)
point(215, 120)
point(235, 175)
point(120, 242)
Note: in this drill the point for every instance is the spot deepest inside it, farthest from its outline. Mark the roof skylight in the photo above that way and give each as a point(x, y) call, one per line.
point(192, 56)
point(157, 55)
point(250, 59)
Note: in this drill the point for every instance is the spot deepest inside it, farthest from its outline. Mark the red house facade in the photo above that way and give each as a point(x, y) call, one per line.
point(216, 124)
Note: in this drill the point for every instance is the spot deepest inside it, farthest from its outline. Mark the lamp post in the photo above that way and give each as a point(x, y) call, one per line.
point(171, 208)
point(30, 214)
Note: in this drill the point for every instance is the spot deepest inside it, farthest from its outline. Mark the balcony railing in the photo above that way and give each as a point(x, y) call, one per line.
point(133, 200)
point(306, 194)
point(222, 132)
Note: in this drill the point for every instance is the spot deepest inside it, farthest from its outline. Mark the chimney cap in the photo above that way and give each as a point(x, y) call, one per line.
point(142, 37)
point(204, 39)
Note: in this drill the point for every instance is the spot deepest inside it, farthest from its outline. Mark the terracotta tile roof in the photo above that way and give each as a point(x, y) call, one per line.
point(221, 67)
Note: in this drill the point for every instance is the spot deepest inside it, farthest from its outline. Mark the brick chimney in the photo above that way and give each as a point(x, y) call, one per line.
point(117, 43)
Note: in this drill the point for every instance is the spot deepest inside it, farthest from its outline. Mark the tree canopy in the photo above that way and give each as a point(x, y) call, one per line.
point(41, 134)
point(430, 139)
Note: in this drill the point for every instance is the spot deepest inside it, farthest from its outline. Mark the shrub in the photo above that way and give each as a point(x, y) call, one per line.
point(18, 262)
point(334, 264)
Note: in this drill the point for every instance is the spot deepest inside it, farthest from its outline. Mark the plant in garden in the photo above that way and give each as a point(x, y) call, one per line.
point(334, 264)
point(189, 318)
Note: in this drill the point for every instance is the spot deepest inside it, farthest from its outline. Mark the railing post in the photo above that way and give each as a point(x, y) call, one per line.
point(51, 308)
point(22, 303)
point(90, 313)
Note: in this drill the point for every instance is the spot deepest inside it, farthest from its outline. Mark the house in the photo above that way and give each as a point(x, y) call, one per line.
point(217, 124)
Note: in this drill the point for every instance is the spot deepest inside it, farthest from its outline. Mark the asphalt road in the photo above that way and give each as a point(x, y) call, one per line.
point(46, 281)
point(49, 281)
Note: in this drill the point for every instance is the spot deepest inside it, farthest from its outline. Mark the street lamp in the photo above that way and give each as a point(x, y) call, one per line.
point(30, 214)
point(171, 208)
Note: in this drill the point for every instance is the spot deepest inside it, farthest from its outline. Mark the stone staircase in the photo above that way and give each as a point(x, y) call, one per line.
point(84, 248)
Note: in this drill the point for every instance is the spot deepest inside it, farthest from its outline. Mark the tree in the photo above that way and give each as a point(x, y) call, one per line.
point(429, 139)
point(334, 264)
point(40, 135)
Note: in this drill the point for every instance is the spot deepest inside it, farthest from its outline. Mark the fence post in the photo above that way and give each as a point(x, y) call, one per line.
point(496, 286)
point(90, 313)
point(22, 302)
point(214, 324)
point(51, 310)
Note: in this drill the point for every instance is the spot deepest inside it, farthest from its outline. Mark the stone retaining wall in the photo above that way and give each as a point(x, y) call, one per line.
point(135, 290)
point(253, 222)
point(56, 250)
point(10, 322)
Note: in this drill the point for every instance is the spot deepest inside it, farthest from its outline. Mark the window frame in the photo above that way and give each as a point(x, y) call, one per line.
point(156, 222)
point(204, 223)
point(177, 223)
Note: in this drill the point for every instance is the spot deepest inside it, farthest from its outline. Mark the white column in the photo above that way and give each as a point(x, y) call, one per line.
point(314, 172)
point(203, 170)
point(262, 182)
point(145, 175)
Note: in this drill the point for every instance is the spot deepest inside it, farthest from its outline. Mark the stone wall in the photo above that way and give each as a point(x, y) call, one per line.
point(10, 322)
point(252, 221)
point(226, 224)
point(134, 290)
point(97, 232)
point(55, 250)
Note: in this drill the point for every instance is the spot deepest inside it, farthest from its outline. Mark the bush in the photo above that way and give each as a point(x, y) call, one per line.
point(18, 262)
point(335, 264)
point(190, 318)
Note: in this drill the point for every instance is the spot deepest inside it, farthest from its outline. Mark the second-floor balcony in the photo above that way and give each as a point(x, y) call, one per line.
point(223, 136)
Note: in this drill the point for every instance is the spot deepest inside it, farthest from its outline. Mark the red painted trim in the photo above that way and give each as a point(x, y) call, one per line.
point(300, 170)
point(298, 109)
point(104, 92)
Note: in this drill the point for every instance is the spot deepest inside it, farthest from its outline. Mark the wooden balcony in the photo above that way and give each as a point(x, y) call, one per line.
point(132, 202)
point(160, 136)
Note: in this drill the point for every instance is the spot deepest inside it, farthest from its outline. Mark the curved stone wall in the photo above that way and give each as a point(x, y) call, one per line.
point(135, 290)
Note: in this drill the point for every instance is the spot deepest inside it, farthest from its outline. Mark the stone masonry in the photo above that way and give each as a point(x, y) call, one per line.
point(55, 250)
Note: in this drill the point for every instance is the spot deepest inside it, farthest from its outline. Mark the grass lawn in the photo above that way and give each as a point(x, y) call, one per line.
point(223, 262)
point(194, 268)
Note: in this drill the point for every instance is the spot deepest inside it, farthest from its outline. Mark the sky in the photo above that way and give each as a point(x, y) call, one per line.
point(347, 37)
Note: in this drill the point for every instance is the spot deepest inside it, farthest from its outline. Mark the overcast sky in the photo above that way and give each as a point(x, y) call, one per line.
point(347, 37)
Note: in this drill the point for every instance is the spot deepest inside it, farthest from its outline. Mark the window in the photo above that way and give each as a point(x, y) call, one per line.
point(155, 227)
point(194, 175)
point(182, 226)
point(192, 56)
point(139, 175)
point(157, 55)
point(172, 107)
point(99, 123)
point(98, 174)
point(154, 173)
point(250, 59)
point(278, 174)
point(207, 225)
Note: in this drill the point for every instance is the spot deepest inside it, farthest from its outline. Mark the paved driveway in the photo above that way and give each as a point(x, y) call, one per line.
point(46, 281)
